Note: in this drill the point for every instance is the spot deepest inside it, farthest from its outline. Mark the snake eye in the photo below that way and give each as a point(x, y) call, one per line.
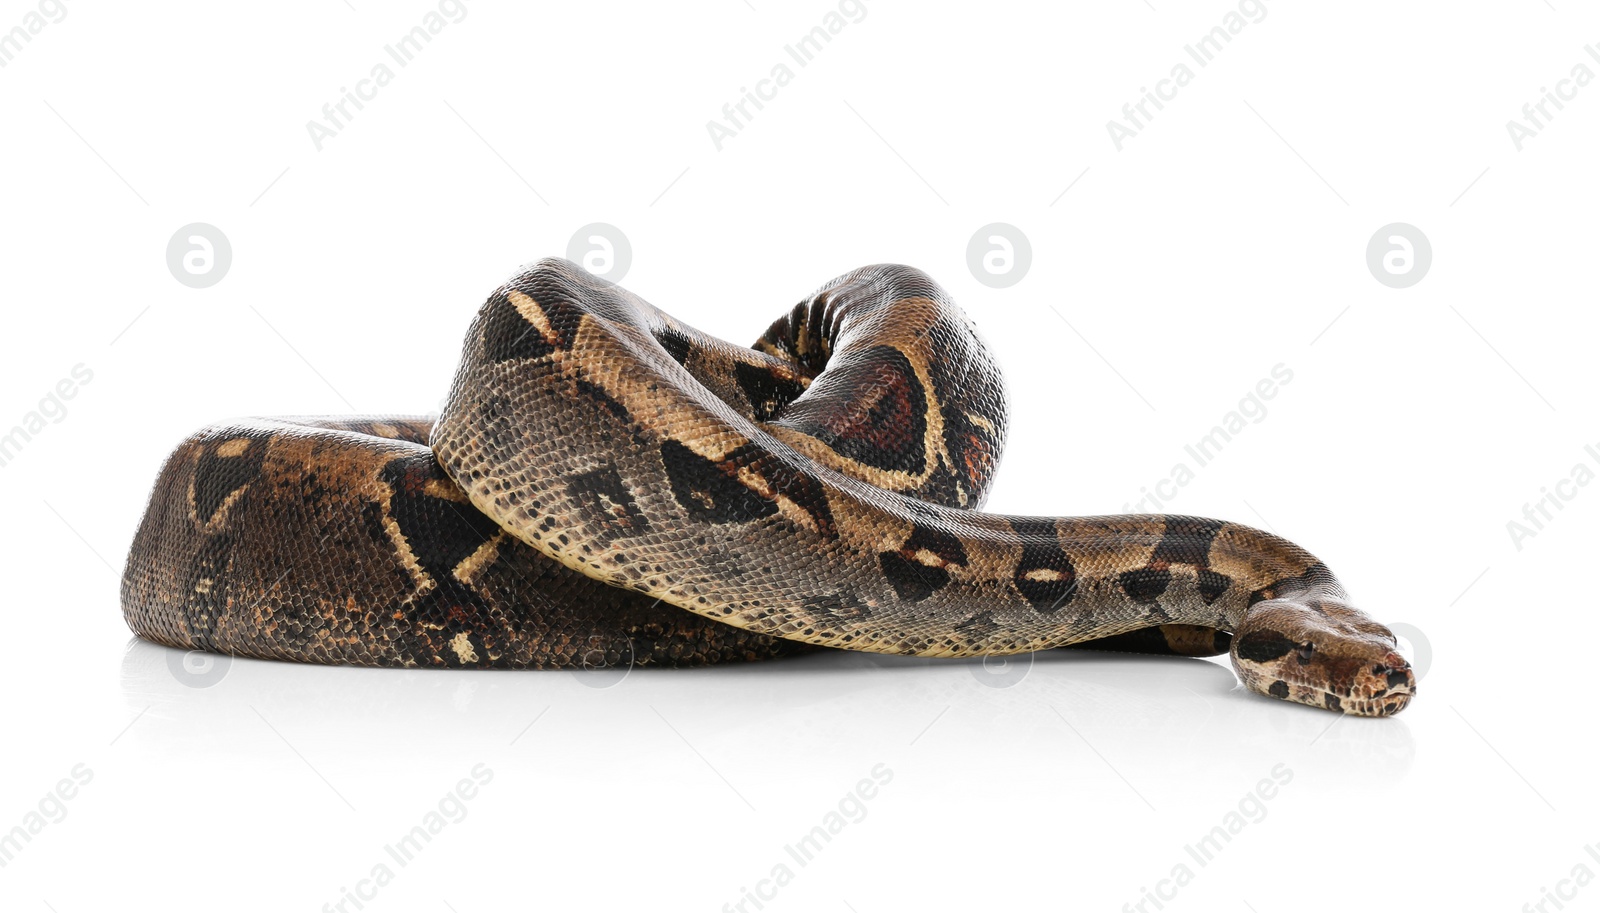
point(1304, 652)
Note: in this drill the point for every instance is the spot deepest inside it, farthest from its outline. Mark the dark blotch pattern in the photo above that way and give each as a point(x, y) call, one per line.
point(801, 488)
point(507, 336)
point(1264, 646)
point(607, 502)
point(767, 389)
point(441, 533)
point(1146, 584)
point(1187, 540)
point(887, 430)
point(1279, 689)
point(708, 490)
point(1042, 556)
point(218, 477)
point(1212, 585)
point(912, 580)
point(676, 344)
point(937, 541)
point(603, 399)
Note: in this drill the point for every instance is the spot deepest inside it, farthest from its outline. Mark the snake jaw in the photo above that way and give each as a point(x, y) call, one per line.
point(1363, 700)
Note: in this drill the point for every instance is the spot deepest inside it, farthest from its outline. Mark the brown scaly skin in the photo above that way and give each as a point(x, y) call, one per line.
point(821, 489)
point(748, 521)
point(341, 541)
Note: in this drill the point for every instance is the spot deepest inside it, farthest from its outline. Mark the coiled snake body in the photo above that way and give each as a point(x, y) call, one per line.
point(607, 486)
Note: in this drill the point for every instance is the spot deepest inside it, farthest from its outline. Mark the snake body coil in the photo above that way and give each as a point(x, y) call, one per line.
point(607, 485)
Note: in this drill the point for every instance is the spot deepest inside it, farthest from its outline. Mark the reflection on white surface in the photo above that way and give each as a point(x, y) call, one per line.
point(1147, 717)
point(1111, 770)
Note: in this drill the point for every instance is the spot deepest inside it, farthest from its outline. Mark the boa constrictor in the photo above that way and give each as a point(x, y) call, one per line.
point(608, 486)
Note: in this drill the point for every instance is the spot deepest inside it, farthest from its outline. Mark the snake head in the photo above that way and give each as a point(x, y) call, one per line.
point(1322, 652)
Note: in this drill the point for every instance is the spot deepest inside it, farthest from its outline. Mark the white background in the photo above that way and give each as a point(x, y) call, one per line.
point(1227, 237)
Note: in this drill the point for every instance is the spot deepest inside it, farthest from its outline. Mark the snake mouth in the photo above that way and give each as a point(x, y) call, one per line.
point(1378, 701)
point(1377, 688)
point(1386, 701)
point(1381, 705)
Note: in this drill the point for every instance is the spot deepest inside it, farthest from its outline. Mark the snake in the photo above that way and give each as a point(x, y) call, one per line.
point(608, 486)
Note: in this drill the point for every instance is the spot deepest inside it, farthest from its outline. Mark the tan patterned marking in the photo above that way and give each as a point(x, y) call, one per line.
point(444, 489)
point(408, 558)
point(233, 448)
point(219, 517)
point(534, 314)
point(485, 554)
point(1246, 561)
point(462, 644)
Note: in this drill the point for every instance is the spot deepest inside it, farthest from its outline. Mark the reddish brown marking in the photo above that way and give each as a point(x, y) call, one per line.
point(887, 422)
point(979, 459)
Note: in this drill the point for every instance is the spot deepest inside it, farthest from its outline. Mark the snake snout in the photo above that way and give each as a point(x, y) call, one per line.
point(1396, 674)
point(1396, 677)
point(1386, 686)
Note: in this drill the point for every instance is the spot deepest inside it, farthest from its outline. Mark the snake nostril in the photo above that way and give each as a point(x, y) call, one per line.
point(1395, 674)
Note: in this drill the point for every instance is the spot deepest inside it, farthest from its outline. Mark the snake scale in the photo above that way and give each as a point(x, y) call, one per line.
point(608, 486)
